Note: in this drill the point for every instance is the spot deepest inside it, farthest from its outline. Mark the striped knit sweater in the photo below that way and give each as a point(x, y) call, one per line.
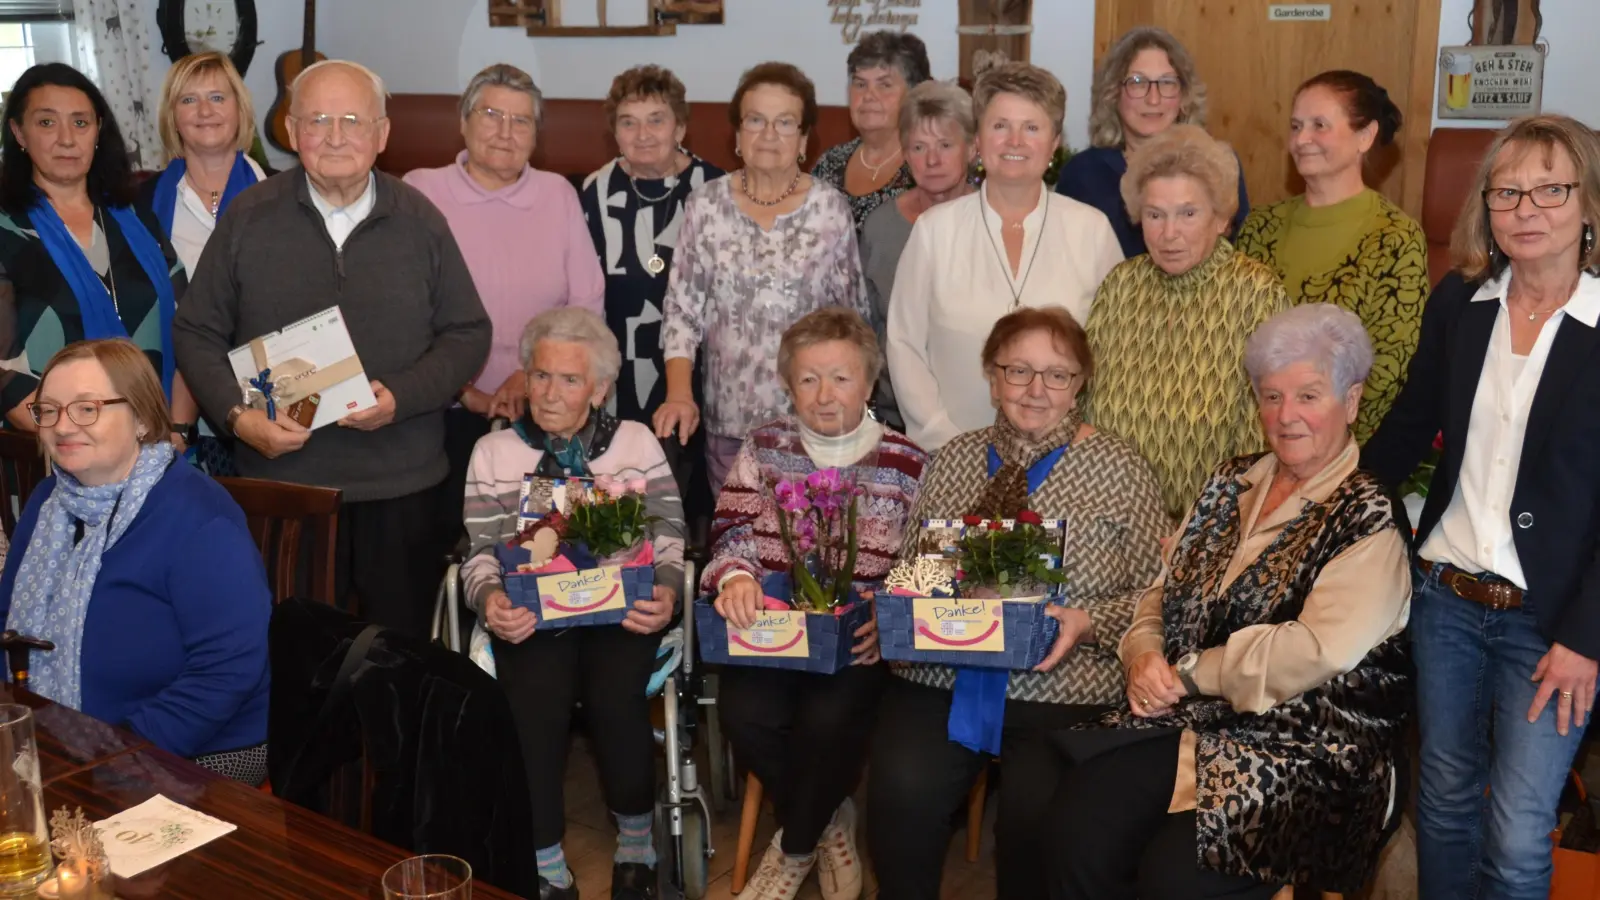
point(1112, 506)
point(744, 537)
point(494, 484)
point(1169, 364)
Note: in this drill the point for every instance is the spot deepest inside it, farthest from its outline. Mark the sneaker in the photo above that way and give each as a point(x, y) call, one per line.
point(632, 881)
point(779, 876)
point(838, 864)
point(548, 891)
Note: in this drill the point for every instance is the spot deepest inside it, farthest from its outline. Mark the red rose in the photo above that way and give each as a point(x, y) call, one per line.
point(972, 520)
point(1029, 517)
point(1438, 441)
point(996, 524)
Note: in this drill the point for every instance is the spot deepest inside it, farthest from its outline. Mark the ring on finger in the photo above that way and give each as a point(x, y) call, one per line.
point(1566, 695)
point(1144, 702)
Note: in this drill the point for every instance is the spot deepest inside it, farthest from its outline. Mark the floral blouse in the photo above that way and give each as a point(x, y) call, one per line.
point(737, 288)
point(830, 168)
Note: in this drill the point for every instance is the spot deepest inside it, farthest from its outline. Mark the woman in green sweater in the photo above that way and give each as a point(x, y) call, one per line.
point(1342, 242)
point(1168, 327)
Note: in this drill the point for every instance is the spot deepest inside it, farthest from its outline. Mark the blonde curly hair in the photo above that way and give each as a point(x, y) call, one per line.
point(1105, 122)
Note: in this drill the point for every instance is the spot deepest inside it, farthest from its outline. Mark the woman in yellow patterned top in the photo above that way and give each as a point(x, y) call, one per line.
point(1168, 327)
point(1342, 242)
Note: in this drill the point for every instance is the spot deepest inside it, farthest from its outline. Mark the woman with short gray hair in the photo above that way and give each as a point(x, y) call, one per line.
point(1268, 679)
point(570, 365)
point(524, 239)
point(937, 129)
point(872, 169)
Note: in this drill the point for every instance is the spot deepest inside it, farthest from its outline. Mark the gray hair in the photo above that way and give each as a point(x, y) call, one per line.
point(891, 49)
point(1330, 337)
point(378, 90)
point(937, 101)
point(507, 76)
point(575, 325)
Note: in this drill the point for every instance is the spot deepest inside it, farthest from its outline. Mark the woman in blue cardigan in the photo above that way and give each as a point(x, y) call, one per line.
point(140, 570)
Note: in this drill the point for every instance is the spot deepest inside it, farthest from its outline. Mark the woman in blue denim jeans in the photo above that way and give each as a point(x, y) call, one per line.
point(1506, 611)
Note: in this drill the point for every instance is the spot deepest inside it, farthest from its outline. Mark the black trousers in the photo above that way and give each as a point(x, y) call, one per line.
point(462, 429)
point(390, 558)
point(920, 779)
point(606, 668)
point(1109, 816)
point(804, 735)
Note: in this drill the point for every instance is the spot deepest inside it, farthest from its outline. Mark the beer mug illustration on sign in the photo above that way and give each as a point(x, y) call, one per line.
point(1458, 79)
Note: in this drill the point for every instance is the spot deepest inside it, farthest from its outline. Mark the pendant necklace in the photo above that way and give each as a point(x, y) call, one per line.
point(1005, 267)
point(861, 154)
point(110, 272)
point(655, 265)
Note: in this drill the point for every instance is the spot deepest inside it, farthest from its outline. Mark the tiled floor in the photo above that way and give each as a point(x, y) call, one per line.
point(591, 839)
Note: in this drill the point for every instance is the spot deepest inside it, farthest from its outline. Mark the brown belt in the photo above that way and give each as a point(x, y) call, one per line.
point(1493, 594)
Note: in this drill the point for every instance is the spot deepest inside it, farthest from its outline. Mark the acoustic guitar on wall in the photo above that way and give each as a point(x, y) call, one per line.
point(289, 66)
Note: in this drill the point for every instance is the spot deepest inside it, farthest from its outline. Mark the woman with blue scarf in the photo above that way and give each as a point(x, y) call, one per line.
point(78, 261)
point(141, 571)
point(207, 128)
point(939, 727)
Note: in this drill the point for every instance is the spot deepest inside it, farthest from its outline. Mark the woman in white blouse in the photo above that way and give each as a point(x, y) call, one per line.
point(970, 261)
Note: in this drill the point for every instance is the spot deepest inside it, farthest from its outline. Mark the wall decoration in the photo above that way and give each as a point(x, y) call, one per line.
point(1497, 22)
point(596, 18)
point(992, 32)
point(1501, 82)
point(195, 26)
point(855, 16)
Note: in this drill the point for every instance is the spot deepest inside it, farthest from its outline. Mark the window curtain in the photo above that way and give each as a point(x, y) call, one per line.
point(114, 42)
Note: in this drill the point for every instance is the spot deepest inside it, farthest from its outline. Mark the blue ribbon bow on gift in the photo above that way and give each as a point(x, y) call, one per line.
point(263, 383)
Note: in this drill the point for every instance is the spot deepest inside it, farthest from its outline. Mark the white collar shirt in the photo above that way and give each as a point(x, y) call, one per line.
point(341, 220)
point(1475, 532)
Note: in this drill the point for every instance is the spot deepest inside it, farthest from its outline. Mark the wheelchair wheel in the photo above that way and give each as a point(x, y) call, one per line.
point(682, 863)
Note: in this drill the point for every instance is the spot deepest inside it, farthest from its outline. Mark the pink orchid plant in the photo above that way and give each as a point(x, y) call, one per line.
point(817, 521)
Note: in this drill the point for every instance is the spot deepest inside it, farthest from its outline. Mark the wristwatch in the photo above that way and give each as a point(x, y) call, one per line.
point(189, 431)
point(1185, 668)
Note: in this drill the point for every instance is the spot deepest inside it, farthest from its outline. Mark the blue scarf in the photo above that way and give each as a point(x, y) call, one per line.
point(166, 200)
point(978, 700)
point(55, 581)
point(100, 318)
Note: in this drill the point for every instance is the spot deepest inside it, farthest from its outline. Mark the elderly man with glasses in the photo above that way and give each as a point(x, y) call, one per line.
point(336, 233)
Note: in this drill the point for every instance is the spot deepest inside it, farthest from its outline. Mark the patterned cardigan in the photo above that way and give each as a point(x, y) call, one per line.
point(1298, 793)
point(744, 536)
point(1111, 501)
point(1384, 280)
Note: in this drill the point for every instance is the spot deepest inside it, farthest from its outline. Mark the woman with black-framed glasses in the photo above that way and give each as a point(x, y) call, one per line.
point(1147, 83)
point(1505, 615)
point(140, 569)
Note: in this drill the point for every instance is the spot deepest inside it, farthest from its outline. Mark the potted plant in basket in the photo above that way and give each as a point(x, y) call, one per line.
point(813, 606)
point(589, 565)
point(985, 605)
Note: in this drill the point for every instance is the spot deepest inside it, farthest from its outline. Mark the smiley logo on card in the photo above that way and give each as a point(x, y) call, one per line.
point(735, 638)
point(944, 623)
point(548, 601)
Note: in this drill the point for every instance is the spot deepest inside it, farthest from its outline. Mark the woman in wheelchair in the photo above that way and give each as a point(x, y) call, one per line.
point(140, 569)
point(805, 735)
point(571, 360)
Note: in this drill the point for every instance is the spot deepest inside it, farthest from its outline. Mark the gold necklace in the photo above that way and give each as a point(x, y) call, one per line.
point(861, 154)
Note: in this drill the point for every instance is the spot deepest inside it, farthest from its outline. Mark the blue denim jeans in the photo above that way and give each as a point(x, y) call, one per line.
point(1474, 687)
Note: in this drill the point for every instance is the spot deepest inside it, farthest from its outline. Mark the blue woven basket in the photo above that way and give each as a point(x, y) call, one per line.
point(523, 589)
point(1029, 636)
point(829, 637)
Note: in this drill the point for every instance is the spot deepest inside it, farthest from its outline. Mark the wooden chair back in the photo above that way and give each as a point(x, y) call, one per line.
point(281, 515)
point(22, 467)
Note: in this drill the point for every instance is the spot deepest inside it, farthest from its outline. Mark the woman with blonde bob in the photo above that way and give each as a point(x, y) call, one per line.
point(140, 569)
point(1506, 610)
point(1146, 84)
point(1169, 327)
point(207, 123)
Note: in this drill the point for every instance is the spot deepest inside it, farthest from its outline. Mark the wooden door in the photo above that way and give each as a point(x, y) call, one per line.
point(1251, 66)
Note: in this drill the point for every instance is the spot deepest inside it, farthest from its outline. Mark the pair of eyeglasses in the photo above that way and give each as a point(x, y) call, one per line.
point(322, 123)
point(1022, 376)
point(787, 126)
point(81, 412)
point(1545, 196)
point(1138, 86)
point(496, 118)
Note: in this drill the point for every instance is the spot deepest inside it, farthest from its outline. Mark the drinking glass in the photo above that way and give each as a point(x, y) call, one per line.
point(431, 877)
point(24, 837)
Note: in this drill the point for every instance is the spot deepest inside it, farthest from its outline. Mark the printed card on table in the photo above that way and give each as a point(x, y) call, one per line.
point(944, 623)
point(154, 832)
point(781, 634)
point(580, 593)
point(541, 496)
point(313, 357)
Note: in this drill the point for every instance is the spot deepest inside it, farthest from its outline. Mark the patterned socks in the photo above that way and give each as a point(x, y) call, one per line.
point(634, 843)
point(553, 867)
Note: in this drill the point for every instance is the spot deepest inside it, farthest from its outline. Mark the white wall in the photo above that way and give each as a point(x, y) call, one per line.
point(1572, 31)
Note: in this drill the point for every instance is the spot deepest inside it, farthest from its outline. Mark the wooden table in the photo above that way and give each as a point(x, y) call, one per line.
point(278, 852)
